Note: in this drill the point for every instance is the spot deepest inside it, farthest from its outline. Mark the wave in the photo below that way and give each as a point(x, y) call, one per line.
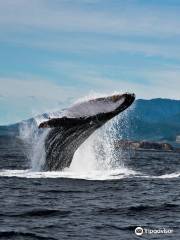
point(137, 209)
point(163, 176)
point(39, 213)
point(89, 175)
point(23, 235)
point(171, 175)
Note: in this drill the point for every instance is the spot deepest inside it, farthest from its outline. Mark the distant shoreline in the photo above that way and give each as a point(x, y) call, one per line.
point(146, 145)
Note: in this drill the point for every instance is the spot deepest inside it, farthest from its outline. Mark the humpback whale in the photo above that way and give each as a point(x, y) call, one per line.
point(68, 132)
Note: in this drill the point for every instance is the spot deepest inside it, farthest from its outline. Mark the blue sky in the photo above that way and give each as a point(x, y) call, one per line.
point(55, 51)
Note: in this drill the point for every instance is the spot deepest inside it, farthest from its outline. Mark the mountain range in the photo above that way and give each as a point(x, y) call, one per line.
point(157, 120)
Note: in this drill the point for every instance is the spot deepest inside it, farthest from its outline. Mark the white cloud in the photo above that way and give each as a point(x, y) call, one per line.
point(23, 98)
point(23, 22)
point(157, 87)
point(96, 45)
point(130, 28)
point(14, 87)
point(157, 82)
point(127, 19)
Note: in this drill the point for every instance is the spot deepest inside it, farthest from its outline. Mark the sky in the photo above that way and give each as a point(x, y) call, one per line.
point(53, 52)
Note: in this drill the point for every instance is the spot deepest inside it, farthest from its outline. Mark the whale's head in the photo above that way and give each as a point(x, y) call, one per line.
point(101, 109)
point(102, 105)
point(110, 105)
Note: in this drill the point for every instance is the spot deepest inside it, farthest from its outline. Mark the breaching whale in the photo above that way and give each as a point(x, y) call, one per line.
point(81, 120)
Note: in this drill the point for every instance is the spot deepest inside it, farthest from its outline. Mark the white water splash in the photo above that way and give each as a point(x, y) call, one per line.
point(95, 156)
point(34, 141)
point(171, 175)
point(88, 175)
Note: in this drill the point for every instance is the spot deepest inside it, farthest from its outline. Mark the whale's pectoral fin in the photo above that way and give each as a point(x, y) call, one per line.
point(63, 122)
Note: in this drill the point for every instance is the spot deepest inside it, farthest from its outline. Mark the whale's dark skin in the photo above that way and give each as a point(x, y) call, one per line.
point(67, 134)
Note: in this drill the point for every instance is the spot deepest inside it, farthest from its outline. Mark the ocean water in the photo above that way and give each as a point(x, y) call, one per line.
point(89, 203)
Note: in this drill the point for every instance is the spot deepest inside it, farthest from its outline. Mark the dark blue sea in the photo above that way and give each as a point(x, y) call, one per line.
point(103, 205)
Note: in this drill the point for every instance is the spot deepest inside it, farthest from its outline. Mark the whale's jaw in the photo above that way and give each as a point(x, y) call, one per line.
point(68, 133)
